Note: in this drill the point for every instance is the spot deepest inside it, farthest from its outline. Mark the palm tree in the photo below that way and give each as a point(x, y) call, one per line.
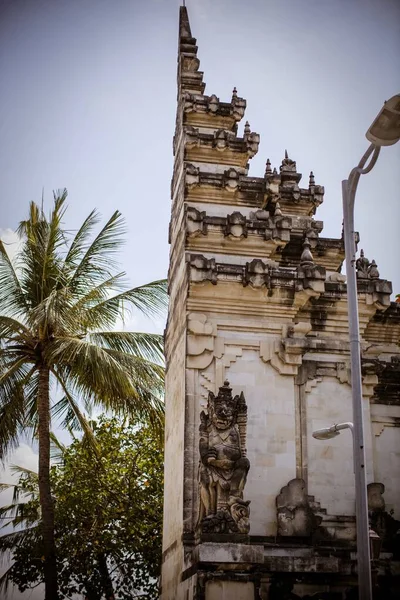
point(59, 303)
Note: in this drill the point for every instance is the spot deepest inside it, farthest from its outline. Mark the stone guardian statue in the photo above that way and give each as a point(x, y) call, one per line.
point(223, 464)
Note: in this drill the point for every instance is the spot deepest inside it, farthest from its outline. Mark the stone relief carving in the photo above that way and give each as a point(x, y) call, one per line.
point(236, 225)
point(257, 274)
point(238, 106)
point(294, 514)
point(223, 464)
point(231, 179)
point(382, 522)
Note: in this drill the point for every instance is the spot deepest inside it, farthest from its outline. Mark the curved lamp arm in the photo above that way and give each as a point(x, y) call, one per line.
point(361, 169)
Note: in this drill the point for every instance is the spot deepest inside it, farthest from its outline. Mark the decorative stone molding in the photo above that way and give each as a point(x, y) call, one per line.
point(311, 384)
point(202, 269)
point(231, 180)
point(196, 224)
point(200, 341)
point(223, 464)
point(310, 276)
point(257, 274)
point(236, 226)
point(294, 514)
point(222, 137)
point(381, 521)
point(238, 107)
point(380, 423)
point(211, 105)
point(231, 354)
point(286, 363)
point(192, 136)
point(207, 382)
point(192, 177)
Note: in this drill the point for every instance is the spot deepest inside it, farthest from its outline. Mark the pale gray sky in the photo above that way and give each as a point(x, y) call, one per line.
point(88, 98)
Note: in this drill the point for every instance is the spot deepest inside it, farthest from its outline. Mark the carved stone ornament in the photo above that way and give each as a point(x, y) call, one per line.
point(288, 165)
point(238, 107)
point(222, 138)
point(294, 514)
point(382, 522)
point(202, 269)
point(223, 464)
point(231, 179)
point(362, 264)
point(192, 176)
point(213, 104)
point(256, 274)
point(236, 226)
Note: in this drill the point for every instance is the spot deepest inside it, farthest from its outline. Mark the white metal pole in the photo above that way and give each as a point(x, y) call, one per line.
point(362, 523)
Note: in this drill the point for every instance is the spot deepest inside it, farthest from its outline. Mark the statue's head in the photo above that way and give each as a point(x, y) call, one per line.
point(223, 409)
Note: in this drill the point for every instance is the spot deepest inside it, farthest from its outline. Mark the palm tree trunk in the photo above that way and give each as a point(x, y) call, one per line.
point(106, 582)
point(46, 501)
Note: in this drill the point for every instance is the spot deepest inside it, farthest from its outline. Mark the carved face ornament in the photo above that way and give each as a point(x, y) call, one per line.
point(223, 415)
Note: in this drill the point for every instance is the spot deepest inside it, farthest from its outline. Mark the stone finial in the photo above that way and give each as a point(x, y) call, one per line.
point(234, 93)
point(247, 128)
point(274, 172)
point(278, 212)
point(362, 264)
point(306, 256)
point(288, 164)
point(268, 169)
point(373, 272)
point(311, 180)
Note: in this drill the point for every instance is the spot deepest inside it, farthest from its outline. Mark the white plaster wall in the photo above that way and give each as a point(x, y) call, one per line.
point(330, 462)
point(387, 466)
point(270, 435)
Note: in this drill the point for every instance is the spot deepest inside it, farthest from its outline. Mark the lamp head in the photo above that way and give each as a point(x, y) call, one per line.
point(385, 130)
point(325, 434)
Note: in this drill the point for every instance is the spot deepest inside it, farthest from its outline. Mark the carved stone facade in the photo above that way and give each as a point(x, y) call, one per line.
point(257, 299)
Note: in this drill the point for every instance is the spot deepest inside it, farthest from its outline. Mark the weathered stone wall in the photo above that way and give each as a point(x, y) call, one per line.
point(257, 298)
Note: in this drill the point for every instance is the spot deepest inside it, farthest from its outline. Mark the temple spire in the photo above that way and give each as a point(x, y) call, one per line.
point(190, 79)
point(184, 25)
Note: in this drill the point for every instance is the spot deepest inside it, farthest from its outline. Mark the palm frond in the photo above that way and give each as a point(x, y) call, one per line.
point(11, 328)
point(52, 314)
point(73, 417)
point(6, 582)
point(39, 260)
point(12, 297)
point(80, 311)
point(79, 244)
point(150, 299)
point(98, 261)
point(19, 470)
point(14, 385)
point(9, 541)
point(149, 346)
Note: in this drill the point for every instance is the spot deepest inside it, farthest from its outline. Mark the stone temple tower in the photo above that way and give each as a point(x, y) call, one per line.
point(257, 358)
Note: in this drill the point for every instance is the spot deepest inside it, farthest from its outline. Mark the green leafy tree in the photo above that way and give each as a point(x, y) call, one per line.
point(108, 517)
point(59, 304)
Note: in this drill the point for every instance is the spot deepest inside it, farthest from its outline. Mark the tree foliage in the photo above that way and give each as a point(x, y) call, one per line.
point(59, 306)
point(108, 517)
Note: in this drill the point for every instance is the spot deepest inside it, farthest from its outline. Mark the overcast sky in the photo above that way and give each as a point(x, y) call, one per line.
point(88, 99)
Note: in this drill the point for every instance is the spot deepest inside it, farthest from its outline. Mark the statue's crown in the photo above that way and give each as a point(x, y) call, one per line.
point(225, 395)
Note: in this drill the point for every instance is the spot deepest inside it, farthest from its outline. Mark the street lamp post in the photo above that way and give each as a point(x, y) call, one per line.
point(384, 131)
